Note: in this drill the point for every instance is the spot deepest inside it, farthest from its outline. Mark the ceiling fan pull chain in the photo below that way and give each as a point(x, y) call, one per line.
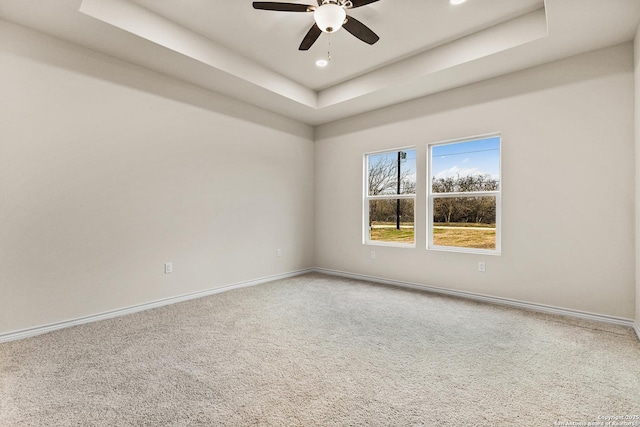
point(329, 48)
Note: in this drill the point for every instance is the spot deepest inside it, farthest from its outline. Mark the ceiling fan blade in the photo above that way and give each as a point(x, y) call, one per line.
point(282, 7)
point(360, 30)
point(310, 38)
point(358, 3)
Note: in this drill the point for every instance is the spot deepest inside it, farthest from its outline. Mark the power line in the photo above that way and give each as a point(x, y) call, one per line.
point(468, 152)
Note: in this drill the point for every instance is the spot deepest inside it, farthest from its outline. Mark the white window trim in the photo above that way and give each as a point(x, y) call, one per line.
point(366, 198)
point(431, 196)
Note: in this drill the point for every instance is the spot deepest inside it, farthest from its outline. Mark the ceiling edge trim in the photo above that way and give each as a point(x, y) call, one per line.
point(143, 23)
point(508, 35)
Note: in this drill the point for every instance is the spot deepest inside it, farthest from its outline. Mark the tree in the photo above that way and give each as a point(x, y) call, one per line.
point(480, 209)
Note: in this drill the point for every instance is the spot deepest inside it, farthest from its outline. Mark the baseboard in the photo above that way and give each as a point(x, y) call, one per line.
point(39, 330)
point(490, 299)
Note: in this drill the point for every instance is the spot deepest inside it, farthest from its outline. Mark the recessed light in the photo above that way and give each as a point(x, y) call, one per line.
point(322, 63)
point(457, 1)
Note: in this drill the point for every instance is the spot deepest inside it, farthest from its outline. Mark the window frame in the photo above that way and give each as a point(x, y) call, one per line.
point(431, 196)
point(366, 232)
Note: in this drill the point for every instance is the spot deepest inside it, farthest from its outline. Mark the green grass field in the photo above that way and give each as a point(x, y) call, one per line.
point(465, 235)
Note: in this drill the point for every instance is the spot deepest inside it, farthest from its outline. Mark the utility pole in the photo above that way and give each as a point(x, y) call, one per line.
point(398, 200)
point(401, 156)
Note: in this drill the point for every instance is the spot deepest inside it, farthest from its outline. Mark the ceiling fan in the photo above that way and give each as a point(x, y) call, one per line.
point(329, 16)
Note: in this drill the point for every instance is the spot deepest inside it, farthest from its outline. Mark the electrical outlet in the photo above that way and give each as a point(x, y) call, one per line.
point(278, 252)
point(481, 267)
point(373, 255)
point(168, 268)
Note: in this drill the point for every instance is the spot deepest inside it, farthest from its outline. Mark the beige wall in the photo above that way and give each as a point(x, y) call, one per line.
point(107, 171)
point(568, 185)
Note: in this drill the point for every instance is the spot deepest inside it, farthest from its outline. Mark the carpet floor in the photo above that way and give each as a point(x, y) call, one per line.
point(317, 350)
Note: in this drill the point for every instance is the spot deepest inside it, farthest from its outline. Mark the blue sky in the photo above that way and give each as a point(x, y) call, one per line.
point(476, 157)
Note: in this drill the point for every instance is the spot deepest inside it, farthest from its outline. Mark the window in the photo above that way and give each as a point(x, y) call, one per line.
point(464, 195)
point(390, 195)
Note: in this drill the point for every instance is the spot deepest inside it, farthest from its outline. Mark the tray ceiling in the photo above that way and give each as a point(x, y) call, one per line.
point(252, 55)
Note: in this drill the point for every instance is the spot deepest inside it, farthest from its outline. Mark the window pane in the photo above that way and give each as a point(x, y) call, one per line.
point(466, 222)
point(383, 173)
point(466, 166)
point(384, 217)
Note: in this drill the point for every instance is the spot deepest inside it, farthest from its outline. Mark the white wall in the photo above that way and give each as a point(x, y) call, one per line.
point(567, 174)
point(637, 147)
point(107, 171)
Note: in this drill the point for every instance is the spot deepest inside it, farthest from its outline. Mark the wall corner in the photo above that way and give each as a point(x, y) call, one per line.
point(636, 115)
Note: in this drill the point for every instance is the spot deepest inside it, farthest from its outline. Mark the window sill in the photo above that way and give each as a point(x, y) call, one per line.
point(465, 250)
point(391, 245)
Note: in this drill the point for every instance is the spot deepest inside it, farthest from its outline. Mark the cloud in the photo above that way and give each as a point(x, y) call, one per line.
point(456, 171)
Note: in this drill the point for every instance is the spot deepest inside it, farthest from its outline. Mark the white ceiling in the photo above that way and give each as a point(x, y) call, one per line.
point(272, 38)
point(425, 46)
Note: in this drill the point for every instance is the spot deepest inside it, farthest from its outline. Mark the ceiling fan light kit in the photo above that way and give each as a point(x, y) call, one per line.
point(329, 17)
